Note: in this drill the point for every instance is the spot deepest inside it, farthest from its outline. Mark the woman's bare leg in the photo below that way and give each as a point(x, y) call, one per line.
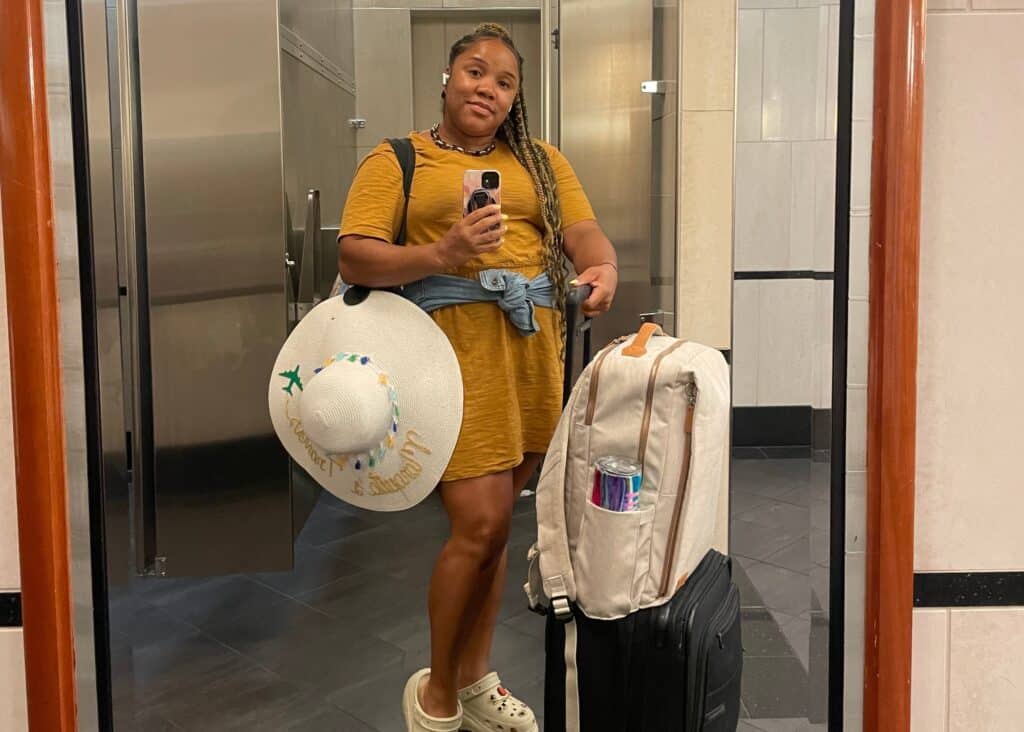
point(476, 656)
point(480, 511)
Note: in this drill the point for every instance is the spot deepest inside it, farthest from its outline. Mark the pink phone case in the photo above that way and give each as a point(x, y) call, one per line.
point(474, 195)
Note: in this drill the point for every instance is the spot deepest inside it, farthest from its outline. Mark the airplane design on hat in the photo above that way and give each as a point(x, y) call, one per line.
point(293, 380)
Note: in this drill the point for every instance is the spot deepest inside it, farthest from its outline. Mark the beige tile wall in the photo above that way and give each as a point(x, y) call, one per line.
point(968, 669)
point(787, 82)
point(707, 120)
point(857, 355)
point(13, 715)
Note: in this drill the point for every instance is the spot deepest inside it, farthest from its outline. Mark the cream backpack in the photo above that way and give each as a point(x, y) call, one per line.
point(664, 402)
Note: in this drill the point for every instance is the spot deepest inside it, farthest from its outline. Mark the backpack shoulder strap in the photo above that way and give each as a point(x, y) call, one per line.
point(406, 155)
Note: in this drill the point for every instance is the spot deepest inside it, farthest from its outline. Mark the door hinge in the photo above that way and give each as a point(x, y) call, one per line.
point(555, 35)
point(157, 569)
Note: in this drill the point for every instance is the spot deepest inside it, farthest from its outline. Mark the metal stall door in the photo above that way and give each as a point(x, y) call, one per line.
point(615, 93)
point(204, 240)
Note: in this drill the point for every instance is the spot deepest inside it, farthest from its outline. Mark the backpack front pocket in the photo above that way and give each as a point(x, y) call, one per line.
point(612, 560)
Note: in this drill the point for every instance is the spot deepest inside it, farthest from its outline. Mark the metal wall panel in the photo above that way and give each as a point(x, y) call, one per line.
point(215, 233)
point(605, 131)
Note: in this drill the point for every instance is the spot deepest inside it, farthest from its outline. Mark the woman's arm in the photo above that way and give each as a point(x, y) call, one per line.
point(372, 262)
point(593, 257)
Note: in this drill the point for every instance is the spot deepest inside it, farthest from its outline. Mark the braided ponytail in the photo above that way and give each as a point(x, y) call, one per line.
point(532, 156)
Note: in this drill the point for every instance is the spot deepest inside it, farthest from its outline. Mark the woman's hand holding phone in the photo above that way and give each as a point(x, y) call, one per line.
point(479, 232)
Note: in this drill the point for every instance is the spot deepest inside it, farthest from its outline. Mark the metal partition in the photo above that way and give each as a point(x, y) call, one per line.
point(605, 56)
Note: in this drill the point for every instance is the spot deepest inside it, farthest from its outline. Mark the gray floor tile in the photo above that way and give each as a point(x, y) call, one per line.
point(313, 568)
point(780, 589)
point(527, 622)
point(775, 688)
point(776, 514)
point(780, 725)
point(757, 541)
point(795, 557)
point(217, 599)
point(762, 635)
point(326, 524)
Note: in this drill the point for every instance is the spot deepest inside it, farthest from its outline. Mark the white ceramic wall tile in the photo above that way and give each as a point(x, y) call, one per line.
point(793, 80)
point(947, 4)
point(863, 77)
point(857, 343)
point(860, 166)
point(812, 227)
point(763, 205)
point(744, 4)
point(384, 95)
point(10, 575)
point(13, 705)
point(746, 335)
point(930, 670)
point(492, 4)
point(785, 342)
point(986, 669)
point(802, 207)
point(968, 471)
point(856, 510)
point(750, 70)
point(55, 40)
point(860, 236)
point(853, 644)
point(997, 4)
point(856, 428)
point(832, 86)
point(708, 55)
point(822, 357)
point(864, 18)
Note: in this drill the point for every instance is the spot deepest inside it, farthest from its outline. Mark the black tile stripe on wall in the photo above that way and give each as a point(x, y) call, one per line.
point(772, 426)
point(968, 589)
point(784, 274)
point(10, 609)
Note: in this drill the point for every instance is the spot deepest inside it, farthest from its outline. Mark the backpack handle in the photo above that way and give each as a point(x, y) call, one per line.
point(638, 347)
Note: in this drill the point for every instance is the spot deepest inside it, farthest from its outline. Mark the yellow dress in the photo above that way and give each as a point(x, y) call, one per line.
point(512, 383)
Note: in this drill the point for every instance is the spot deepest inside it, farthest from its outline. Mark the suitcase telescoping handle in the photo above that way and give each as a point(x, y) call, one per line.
point(576, 297)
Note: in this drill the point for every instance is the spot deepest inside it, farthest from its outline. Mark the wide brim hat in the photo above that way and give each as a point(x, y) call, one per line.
point(366, 395)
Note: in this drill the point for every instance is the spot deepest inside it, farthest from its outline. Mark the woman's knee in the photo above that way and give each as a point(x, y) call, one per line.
point(484, 538)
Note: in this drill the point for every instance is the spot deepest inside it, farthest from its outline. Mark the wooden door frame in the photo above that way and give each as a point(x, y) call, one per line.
point(35, 356)
point(892, 361)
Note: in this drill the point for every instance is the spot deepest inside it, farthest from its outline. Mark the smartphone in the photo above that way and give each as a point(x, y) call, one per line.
point(480, 188)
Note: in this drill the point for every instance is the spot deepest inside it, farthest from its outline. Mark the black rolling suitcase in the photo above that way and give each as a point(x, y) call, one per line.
point(673, 668)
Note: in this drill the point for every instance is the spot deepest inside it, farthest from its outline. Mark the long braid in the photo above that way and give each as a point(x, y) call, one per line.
point(532, 156)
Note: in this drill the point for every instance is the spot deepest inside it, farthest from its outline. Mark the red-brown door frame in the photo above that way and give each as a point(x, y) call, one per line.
point(892, 361)
point(31, 274)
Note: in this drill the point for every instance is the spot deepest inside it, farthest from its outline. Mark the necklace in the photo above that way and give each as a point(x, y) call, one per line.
point(436, 137)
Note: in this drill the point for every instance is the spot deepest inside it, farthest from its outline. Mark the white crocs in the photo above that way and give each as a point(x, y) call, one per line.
point(489, 707)
point(416, 720)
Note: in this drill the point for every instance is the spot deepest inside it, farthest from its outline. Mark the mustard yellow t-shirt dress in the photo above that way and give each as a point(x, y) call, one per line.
point(512, 383)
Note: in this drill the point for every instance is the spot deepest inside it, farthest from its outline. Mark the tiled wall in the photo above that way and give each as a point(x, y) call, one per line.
point(705, 219)
point(857, 359)
point(12, 653)
point(65, 224)
point(785, 201)
point(968, 671)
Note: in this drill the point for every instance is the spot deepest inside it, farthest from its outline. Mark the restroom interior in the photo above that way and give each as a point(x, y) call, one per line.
point(328, 644)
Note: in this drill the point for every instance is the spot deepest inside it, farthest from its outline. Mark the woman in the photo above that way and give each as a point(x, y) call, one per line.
point(512, 381)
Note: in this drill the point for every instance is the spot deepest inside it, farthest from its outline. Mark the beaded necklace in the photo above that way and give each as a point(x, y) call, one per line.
point(436, 137)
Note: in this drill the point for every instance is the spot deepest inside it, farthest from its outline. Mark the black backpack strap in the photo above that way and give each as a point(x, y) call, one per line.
point(406, 155)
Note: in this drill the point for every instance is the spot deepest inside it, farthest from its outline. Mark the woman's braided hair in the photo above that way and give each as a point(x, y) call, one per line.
point(532, 156)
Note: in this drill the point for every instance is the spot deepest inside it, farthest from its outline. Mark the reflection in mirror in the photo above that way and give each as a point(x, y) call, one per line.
point(241, 595)
point(782, 345)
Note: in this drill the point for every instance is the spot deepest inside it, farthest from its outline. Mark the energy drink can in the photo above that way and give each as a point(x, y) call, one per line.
point(617, 483)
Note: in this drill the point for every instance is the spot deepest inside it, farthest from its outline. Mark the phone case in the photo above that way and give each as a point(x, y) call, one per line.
point(474, 195)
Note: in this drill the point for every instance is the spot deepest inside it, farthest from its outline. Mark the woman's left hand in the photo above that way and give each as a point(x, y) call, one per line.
point(604, 279)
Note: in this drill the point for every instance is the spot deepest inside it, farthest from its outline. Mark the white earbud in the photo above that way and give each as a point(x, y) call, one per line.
point(444, 78)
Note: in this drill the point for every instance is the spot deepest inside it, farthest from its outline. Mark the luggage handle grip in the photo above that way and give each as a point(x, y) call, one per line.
point(638, 347)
